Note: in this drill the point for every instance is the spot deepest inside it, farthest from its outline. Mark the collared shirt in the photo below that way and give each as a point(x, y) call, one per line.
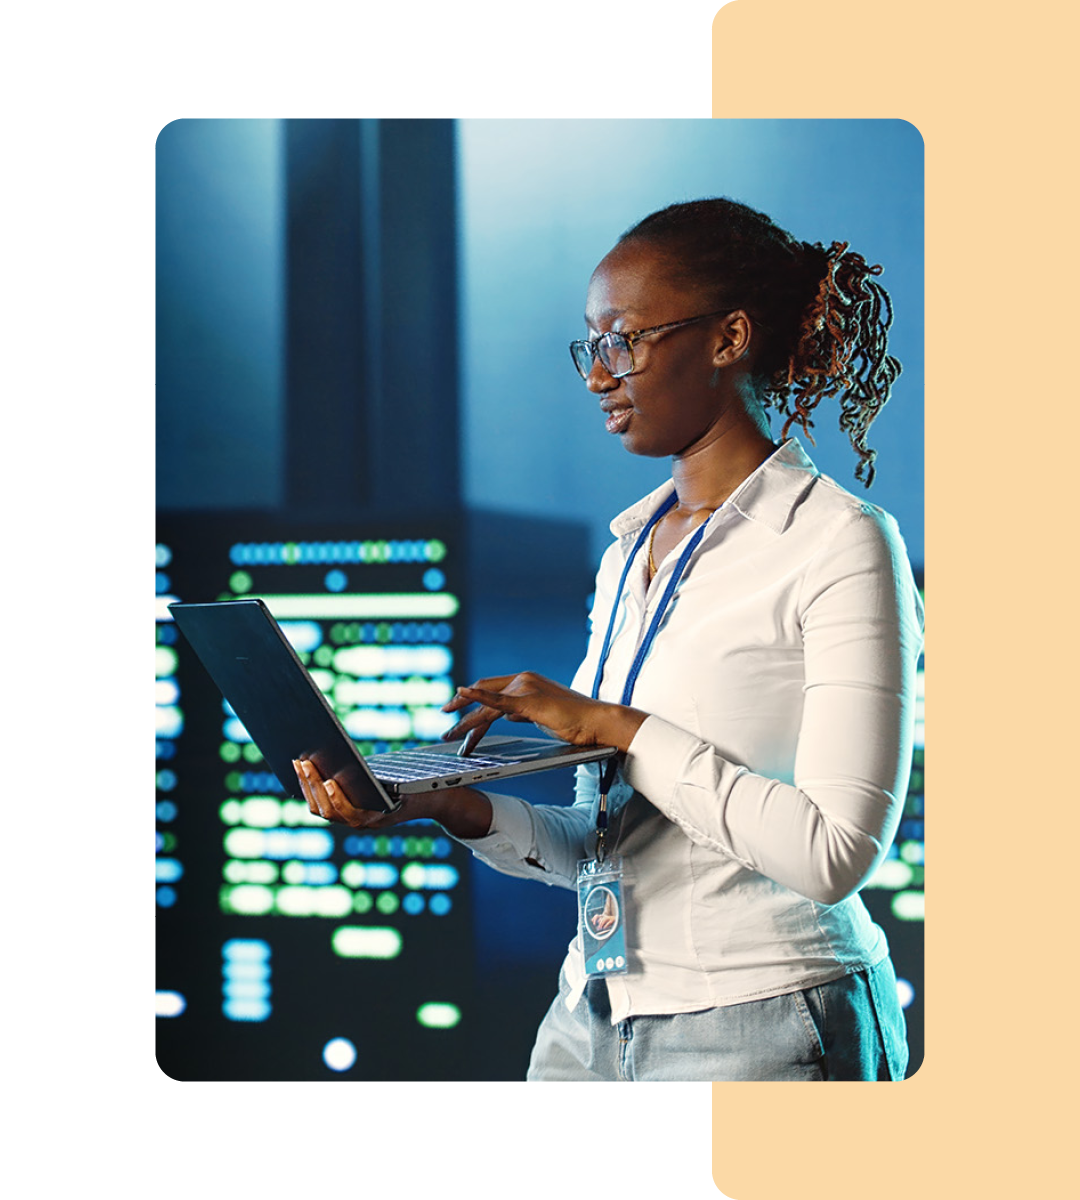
point(765, 786)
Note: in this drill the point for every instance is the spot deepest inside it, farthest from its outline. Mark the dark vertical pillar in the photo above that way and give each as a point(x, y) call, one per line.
point(418, 396)
point(371, 339)
point(324, 317)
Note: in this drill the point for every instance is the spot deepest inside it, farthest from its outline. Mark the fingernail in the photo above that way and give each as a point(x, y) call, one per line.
point(306, 768)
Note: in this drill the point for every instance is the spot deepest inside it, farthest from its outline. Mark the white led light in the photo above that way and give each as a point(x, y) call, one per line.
point(339, 1054)
point(375, 606)
point(169, 1004)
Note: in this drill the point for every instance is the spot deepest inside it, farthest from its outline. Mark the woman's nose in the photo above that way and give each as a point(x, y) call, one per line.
point(599, 379)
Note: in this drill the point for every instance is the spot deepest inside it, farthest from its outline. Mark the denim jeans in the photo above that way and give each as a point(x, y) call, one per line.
point(851, 1028)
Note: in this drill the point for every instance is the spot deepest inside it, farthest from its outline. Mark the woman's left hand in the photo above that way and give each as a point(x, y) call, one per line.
point(557, 710)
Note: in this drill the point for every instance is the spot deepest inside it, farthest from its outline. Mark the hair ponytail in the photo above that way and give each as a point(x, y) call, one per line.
point(841, 351)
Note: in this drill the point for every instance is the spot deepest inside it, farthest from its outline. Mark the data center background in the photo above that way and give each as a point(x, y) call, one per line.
point(366, 410)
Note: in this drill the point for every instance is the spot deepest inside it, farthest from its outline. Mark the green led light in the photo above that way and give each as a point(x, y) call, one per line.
point(164, 661)
point(244, 843)
point(353, 941)
point(362, 902)
point(229, 752)
point(292, 872)
point(891, 875)
point(240, 582)
point(324, 655)
point(261, 812)
point(413, 875)
point(231, 812)
point(251, 753)
point(382, 845)
point(237, 871)
point(911, 852)
point(296, 812)
point(438, 1016)
point(909, 906)
point(291, 553)
point(233, 780)
point(387, 903)
point(435, 551)
point(332, 901)
point(352, 874)
point(168, 842)
point(251, 900)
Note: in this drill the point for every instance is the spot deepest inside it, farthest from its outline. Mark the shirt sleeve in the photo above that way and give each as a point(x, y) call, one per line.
point(824, 834)
point(546, 841)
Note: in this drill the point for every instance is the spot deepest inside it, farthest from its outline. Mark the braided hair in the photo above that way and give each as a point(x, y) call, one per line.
point(824, 316)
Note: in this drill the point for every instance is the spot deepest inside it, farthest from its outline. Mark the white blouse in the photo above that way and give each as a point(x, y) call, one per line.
point(766, 785)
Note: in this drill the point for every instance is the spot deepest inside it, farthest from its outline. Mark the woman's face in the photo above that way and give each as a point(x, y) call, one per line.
point(677, 396)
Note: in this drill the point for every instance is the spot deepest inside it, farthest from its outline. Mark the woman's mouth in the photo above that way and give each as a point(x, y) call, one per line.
point(617, 420)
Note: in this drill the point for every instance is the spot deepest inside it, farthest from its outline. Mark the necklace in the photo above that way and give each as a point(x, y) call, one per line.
point(652, 537)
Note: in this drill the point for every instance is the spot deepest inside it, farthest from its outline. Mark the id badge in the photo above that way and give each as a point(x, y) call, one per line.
point(601, 918)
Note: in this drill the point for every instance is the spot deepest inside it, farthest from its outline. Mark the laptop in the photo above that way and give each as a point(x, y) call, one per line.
point(249, 658)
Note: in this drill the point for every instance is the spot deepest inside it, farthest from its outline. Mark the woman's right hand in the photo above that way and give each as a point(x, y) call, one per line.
point(462, 812)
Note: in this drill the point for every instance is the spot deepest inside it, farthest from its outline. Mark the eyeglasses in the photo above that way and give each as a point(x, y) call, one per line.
point(616, 350)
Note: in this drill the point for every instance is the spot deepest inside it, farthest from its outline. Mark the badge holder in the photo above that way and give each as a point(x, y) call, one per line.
point(601, 917)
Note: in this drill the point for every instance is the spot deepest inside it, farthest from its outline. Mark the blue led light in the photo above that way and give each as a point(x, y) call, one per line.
point(162, 583)
point(245, 973)
point(162, 555)
point(434, 579)
point(246, 950)
point(303, 636)
point(166, 781)
point(246, 1010)
point(234, 730)
point(413, 903)
point(440, 904)
point(166, 811)
point(336, 580)
point(166, 897)
point(168, 870)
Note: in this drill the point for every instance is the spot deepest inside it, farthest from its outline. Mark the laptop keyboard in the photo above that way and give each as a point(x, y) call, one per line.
point(403, 766)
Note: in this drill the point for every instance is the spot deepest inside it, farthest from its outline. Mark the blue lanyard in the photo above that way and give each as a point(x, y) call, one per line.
point(635, 667)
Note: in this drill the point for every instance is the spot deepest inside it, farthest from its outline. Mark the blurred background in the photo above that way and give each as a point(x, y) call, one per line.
point(367, 415)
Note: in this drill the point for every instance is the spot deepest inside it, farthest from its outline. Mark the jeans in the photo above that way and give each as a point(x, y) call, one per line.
point(851, 1028)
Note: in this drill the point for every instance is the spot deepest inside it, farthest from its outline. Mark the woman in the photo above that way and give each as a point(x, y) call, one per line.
point(753, 650)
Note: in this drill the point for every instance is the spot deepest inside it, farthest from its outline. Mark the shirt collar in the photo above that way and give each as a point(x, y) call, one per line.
point(768, 495)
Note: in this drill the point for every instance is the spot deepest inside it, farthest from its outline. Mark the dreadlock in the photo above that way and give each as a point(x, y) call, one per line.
point(824, 316)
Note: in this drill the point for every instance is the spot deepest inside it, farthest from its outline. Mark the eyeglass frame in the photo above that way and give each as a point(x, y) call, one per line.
point(630, 338)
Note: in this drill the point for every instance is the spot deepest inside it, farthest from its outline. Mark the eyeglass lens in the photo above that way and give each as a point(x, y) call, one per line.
point(614, 353)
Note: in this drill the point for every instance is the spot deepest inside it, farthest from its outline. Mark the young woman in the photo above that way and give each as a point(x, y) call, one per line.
point(753, 650)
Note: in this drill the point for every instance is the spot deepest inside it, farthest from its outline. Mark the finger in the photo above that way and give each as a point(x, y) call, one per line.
point(503, 702)
point(318, 801)
point(494, 683)
point(470, 730)
point(343, 809)
point(305, 787)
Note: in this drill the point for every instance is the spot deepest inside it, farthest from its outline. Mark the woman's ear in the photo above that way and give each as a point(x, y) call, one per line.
point(734, 335)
